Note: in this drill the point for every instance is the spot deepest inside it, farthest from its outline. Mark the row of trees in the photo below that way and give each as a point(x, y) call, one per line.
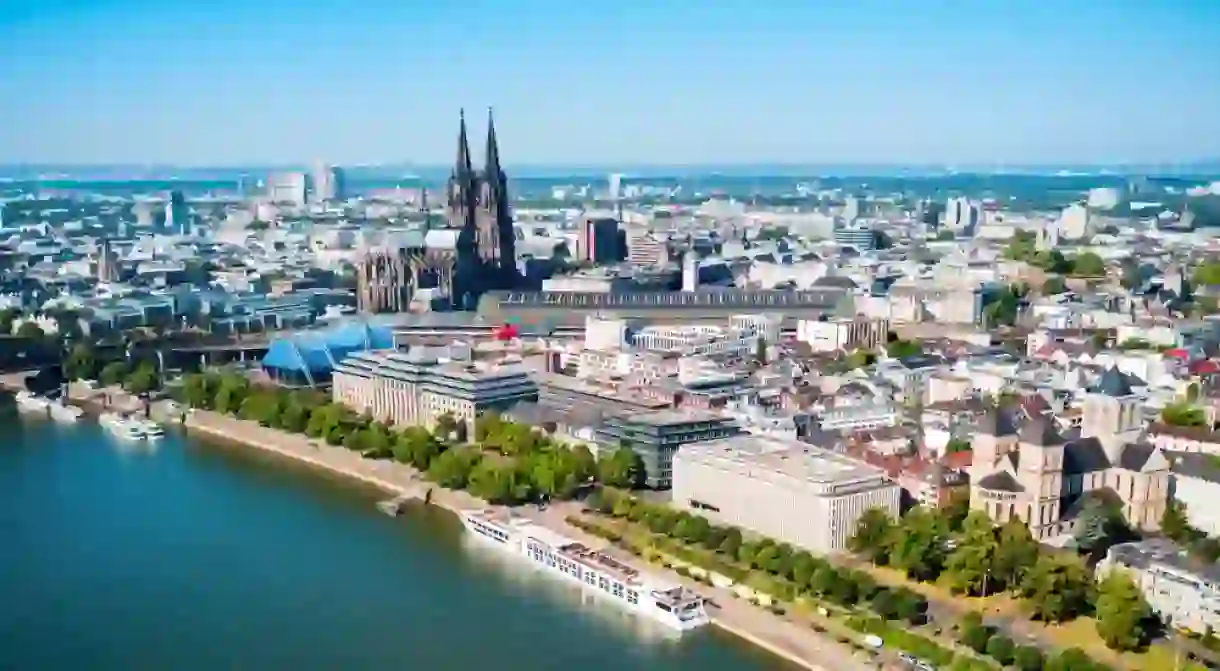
point(509, 463)
point(793, 570)
point(979, 558)
point(1023, 247)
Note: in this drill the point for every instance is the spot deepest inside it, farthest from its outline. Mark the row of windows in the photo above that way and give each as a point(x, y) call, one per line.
point(590, 578)
point(743, 298)
point(490, 532)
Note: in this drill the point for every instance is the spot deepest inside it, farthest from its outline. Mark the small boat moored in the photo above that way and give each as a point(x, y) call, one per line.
point(31, 404)
point(62, 412)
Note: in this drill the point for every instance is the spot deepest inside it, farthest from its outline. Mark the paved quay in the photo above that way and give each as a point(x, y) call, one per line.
point(788, 640)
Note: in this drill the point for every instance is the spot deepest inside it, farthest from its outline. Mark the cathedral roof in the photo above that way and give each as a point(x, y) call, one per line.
point(1113, 382)
point(1040, 431)
point(1086, 455)
point(1135, 455)
point(1001, 481)
point(997, 422)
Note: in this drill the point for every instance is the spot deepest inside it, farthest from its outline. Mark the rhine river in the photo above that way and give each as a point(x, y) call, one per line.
point(194, 556)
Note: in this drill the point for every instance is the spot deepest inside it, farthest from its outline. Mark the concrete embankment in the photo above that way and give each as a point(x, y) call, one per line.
point(787, 640)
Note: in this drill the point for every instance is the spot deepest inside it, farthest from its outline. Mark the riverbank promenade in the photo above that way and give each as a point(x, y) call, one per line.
point(786, 639)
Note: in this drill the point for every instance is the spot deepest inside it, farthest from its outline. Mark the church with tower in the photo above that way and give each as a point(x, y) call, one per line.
point(474, 253)
point(485, 256)
point(1034, 474)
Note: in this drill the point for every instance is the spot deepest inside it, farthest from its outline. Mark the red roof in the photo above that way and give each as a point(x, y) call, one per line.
point(958, 460)
point(1176, 353)
point(1205, 367)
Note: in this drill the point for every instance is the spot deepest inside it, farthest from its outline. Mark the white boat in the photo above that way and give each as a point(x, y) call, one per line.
point(29, 403)
point(62, 412)
point(120, 427)
point(150, 429)
point(595, 571)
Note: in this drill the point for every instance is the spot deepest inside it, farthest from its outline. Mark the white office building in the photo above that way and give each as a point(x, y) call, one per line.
point(781, 488)
point(1183, 592)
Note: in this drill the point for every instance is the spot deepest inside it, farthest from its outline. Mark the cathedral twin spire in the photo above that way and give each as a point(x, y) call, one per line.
point(464, 167)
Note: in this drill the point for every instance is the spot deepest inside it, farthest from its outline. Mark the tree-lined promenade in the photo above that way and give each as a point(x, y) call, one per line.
point(502, 463)
point(953, 548)
point(240, 423)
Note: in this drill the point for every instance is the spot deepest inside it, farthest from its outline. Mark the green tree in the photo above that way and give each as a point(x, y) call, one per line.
point(30, 331)
point(294, 418)
point(885, 604)
point(760, 351)
point(874, 535)
point(1054, 285)
point(1072, 659)
point(1122, 613)
point(496, 483)
point(1057, 588)
point(198, 390)
point(976, 636)
point(900, 349)
point(7, 317)
point(1016, 552)
point(919, 546)
point(803, 567)
point(113, 373)
point(955, 511)
point(417, 447)
point(1175, 524)
point(622, 468)
point(1088, 264)
point(1099, 526)
point(692, 528)
point(731, 543)
point(956, 445)
point(1027, 658)
point(1207, 274)
point(452, 469)
point(231, 392)
point(1183, 414)
point(972, 562)
point(81, 363)
point(1001, 649)
point(143, 379)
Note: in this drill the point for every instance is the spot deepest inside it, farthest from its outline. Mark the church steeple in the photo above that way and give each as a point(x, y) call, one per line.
point(492, 169)
point(463, 169)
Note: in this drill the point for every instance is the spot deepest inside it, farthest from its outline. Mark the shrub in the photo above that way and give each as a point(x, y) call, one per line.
point(1000, 648)
point(976, 637)
point(1027, 658)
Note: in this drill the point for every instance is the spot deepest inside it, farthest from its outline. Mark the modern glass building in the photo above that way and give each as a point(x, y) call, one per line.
point(656, 437)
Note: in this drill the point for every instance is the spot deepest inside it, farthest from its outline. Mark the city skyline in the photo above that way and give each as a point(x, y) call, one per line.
point(111, 82)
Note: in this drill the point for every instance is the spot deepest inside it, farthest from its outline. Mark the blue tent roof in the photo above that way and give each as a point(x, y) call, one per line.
point(315, 353)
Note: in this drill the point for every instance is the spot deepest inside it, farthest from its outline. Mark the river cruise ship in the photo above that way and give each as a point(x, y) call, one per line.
point(671, 605)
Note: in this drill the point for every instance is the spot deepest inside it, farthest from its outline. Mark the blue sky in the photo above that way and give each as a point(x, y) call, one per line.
point(587, 82)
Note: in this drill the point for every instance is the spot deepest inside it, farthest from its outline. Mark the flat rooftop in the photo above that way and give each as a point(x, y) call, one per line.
point(788, 457)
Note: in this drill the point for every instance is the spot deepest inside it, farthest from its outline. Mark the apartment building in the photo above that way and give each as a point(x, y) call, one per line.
point(1183, 592)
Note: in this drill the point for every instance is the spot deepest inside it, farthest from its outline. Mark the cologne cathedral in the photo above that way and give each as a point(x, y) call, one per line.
point(475, 254)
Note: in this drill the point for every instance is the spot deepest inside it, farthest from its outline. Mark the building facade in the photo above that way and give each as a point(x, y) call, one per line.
point(781, 488)
point(407, 388)
point(1185, 594)
point(598, 242)
point(1033, 474)
point(656, 437)
point(843, 334)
